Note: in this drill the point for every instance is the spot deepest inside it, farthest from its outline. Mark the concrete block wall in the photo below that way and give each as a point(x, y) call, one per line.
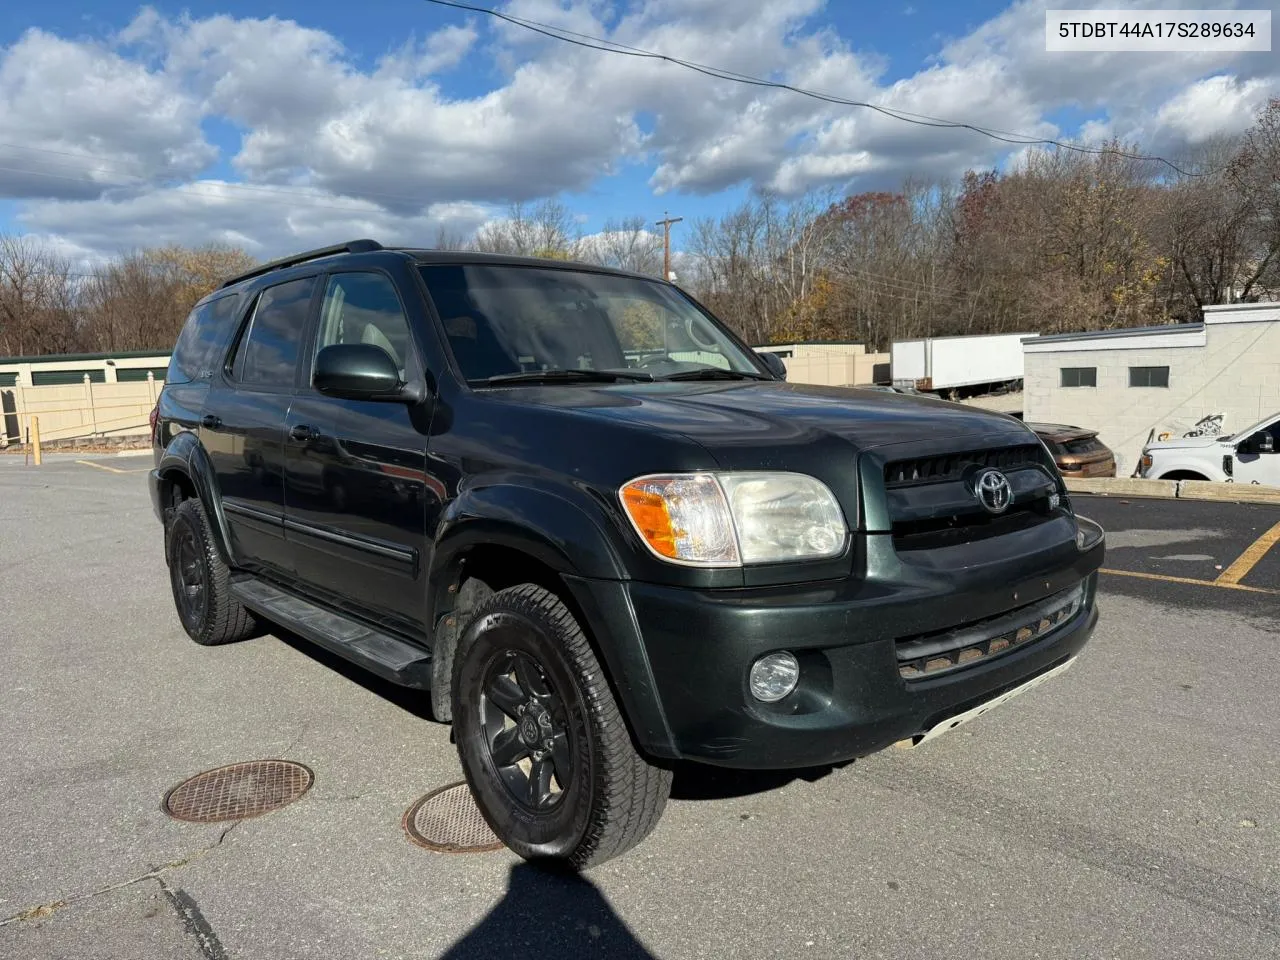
point(1236, 373)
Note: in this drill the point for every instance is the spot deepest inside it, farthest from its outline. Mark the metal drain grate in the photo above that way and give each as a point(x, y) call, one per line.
point(238, 791)
point(448, 821)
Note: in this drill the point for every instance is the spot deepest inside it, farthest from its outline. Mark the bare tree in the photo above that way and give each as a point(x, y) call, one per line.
point(37, 298)
point(626, 244)
point(547, 229)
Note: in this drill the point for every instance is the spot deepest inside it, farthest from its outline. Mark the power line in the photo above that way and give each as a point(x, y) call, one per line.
point(719, 73)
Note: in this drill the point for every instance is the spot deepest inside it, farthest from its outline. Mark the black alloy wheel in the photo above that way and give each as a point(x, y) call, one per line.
point(190, 584)
point(201, 581)
point(544, 746)
point(526, 730)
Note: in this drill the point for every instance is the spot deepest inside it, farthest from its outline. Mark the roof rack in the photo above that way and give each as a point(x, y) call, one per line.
point(352, 246)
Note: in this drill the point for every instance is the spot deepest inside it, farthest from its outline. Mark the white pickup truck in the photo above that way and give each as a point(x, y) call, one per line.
point(1249, 456)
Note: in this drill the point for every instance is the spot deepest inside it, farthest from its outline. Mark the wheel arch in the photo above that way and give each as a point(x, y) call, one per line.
point(493, 555)
point(183, 472)
point(1178, 472)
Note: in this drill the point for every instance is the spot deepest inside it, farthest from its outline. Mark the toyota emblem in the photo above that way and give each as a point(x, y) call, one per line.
point(992, 489)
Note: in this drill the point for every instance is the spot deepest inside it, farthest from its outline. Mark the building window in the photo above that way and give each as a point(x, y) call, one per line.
point(1079, 376)
point(66, 378)
point(1148, 376)
point(139, 374)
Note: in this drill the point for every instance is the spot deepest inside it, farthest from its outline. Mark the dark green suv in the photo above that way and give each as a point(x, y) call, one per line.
point(600, 533)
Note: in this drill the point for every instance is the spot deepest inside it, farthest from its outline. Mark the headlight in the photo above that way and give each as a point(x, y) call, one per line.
point(731, 519)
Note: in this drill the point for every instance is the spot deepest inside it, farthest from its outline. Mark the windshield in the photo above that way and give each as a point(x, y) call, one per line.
point(1247, 431)
point(506, 320)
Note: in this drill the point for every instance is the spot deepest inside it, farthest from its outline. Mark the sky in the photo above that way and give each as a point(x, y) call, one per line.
point(298, 124)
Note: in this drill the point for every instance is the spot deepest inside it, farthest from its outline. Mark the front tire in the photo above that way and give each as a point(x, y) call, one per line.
point(543, 745)
point(201, 582)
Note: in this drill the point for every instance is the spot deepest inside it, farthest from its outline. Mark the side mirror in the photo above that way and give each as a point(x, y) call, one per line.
point(360, 371)
point(775, 365)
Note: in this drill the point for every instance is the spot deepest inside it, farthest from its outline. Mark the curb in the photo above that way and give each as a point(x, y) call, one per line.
point(1176, 489)
point(1124, 487)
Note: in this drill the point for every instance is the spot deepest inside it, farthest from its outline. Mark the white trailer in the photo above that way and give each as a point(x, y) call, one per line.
point(949, 363)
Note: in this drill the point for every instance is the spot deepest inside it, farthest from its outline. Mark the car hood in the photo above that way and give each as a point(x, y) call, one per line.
point(1186, 443)
point(772, 414)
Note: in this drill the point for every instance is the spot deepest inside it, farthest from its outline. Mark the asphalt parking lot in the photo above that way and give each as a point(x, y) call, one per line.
point(1130, 808)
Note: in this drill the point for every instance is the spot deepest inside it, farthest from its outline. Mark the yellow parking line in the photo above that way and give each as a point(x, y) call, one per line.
point(1198, 583)
point(103, 466)
point(1249, 559)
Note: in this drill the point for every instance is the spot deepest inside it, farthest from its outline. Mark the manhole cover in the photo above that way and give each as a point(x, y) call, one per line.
point(447, 820)
point(238, 791)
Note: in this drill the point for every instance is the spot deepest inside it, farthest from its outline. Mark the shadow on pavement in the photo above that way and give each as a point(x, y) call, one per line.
point(549, 913)
point(696, 781)
point(417, 702)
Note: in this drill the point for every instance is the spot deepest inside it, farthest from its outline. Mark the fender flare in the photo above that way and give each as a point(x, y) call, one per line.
point(565, 534)
point(571, 538)
point(186, 457)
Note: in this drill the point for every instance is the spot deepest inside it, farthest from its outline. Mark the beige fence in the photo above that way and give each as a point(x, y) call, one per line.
point(88, 410)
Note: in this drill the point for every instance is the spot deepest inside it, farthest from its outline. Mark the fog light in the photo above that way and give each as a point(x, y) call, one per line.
point(774, 676)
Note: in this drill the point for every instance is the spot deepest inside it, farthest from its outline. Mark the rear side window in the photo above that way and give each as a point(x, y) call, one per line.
point(196, 354)
point(268, 352)
point(1083, 446)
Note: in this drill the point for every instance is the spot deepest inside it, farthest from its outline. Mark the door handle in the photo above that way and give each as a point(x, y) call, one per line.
point(210, 422)
point(304, 432)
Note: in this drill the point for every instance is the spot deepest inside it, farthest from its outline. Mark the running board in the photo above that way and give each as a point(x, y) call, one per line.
point(379, 653)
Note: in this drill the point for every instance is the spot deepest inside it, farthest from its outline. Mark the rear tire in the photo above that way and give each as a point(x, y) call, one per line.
point(543, 745)
point(201, 582)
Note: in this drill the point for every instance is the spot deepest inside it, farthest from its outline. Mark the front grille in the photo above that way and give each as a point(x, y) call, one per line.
point(952, 466)
point(941, 532)
point(930, 655)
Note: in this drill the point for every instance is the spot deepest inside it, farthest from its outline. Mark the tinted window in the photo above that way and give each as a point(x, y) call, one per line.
point(1083, 446)
point(364, 308)
point(268, 355)
point(509, 319)
point(1148, 376)
point(1079, 376)
point(201, 339)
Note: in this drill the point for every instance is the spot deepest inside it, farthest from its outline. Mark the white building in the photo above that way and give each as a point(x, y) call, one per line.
point(1126, 383)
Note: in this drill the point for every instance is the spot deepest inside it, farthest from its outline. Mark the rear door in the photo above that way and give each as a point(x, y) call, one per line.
point(244, 421)
point(356, 487)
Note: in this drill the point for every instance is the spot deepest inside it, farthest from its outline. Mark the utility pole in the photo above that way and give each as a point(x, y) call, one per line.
point(665, 224)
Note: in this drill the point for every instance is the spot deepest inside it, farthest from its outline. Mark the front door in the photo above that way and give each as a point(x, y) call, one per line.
point(1254, 467)
point(244, 419)
point(355, 469)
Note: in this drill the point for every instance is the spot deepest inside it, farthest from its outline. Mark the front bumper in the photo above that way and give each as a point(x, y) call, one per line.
point(689, 687)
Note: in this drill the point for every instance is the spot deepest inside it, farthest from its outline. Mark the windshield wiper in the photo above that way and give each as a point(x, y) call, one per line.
point(714, 373)
point(565, 376)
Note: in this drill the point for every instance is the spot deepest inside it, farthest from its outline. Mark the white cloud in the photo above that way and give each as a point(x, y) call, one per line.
point(1213, 107)
point(267, 223)
point(77, 117)
point(395, 154)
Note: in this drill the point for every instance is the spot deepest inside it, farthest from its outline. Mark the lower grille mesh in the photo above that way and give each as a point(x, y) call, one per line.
point(930, 656)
